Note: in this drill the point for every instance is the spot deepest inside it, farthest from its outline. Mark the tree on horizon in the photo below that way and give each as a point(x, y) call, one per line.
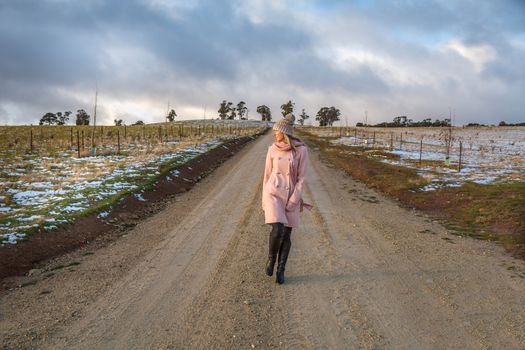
point(82, 117)
point(171, 115)
point(242, 110)
point(327, 116)
point(49, 118)
point(224, 109)
point(287, 108)
point(264, 111)
point(302, 117)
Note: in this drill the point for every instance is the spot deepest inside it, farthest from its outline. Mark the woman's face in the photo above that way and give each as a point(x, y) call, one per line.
point(279, 136)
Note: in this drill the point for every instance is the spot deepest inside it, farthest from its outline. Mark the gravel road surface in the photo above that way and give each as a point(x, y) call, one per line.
point(363, 273)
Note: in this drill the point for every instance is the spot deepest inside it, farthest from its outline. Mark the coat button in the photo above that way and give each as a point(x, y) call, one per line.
point(276, 185)
point(278, 173)
point(279, 158)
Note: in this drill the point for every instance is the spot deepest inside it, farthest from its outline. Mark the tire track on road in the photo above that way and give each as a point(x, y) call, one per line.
point(388, 265)
point(360, 275)
point(165, 284)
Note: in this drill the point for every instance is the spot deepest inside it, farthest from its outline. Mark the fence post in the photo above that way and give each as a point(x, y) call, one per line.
point(78, 141)
point(374, 140)
point(118, 141)
point(401, 140)
point(71, 136)
point(160, 133)
point(355, 136)
point(391, 140)
point(420, 150)
point(31, 141)
point(460, 154)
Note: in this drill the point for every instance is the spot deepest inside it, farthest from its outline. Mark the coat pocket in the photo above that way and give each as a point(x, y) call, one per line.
point(273, 183)
point(275, 186)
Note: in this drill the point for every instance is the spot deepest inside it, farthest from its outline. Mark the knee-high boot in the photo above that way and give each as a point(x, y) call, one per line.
point(273, 246)
point(284, 250)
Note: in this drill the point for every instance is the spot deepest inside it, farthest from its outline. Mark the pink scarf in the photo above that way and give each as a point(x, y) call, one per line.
point(283, 146)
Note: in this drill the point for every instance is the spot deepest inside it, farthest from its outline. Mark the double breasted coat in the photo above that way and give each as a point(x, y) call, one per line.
point(283, 183)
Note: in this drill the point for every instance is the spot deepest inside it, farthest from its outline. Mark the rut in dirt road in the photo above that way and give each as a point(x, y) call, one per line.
point(362, 273)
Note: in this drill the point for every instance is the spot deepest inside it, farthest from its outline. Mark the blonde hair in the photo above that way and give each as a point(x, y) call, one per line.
point(288, 139)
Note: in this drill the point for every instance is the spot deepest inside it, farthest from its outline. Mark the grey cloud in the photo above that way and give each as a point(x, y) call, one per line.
point(66, 43)
point(309, 71)
point(506, 68)
point(211, 51)
point(3, 113)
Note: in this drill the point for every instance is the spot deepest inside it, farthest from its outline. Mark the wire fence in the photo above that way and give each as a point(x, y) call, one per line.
point(499, 149)
point(103, 139)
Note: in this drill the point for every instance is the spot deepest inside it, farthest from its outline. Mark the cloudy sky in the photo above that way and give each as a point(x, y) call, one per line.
point(389, 58)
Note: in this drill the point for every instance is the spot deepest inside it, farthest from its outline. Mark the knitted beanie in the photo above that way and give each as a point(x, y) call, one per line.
point(285, 125)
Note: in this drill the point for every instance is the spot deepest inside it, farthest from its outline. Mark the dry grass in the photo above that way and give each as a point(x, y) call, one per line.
point(493, 212)
point(49, 140)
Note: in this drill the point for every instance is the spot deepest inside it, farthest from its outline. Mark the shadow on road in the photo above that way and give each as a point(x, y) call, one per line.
point(316, 278)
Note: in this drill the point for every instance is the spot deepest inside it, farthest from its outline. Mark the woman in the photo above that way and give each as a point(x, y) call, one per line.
point(283, 184)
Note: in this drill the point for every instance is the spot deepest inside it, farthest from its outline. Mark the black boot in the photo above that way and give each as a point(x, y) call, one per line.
point(273, 246)
point(284, 250)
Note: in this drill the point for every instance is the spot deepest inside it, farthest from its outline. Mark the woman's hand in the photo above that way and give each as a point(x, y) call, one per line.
point(291, 206)
point(305, 205)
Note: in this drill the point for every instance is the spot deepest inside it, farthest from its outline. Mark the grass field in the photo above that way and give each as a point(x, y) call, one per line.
point(52, 185)
point(487, 210)
point(50, 140)
point(448, 157)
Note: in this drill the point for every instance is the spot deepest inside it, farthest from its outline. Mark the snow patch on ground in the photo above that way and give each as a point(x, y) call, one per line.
point(488, 155)
point(139, 197)
point(66, 186)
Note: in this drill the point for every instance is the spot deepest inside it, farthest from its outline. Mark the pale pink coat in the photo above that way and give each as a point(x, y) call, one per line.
point(283, 183)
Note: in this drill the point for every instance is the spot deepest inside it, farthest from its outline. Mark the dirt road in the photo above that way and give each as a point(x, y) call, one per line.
point(362, 273)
